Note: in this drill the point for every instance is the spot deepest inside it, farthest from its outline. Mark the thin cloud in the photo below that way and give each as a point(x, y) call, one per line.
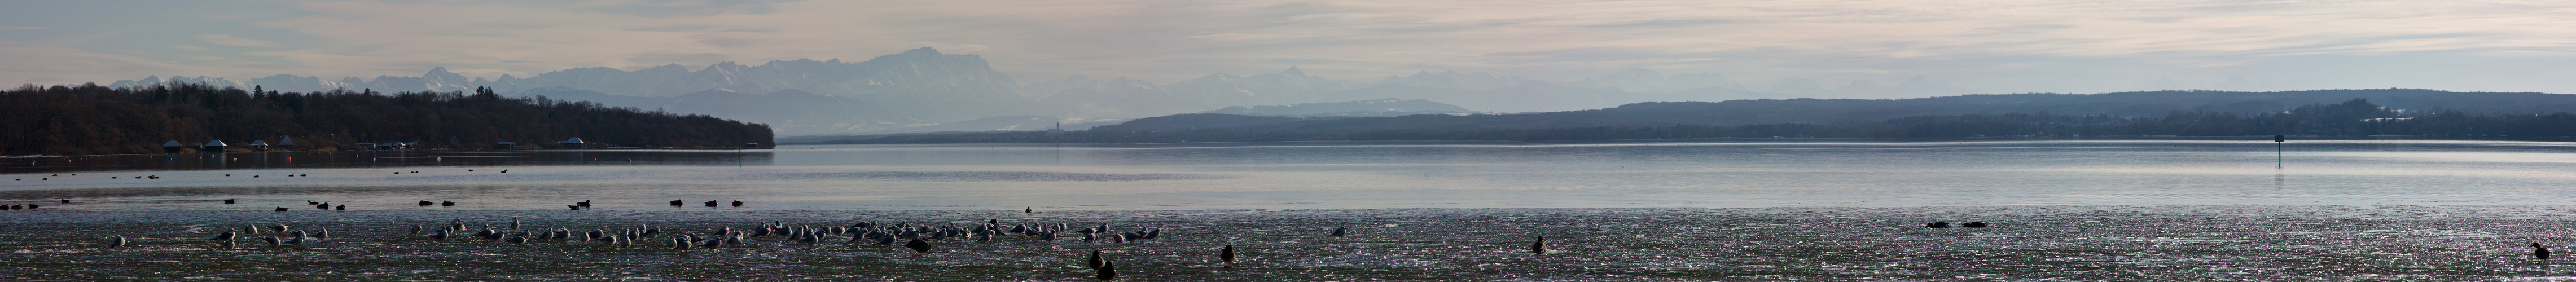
point(1994, 45)
point(229, 40)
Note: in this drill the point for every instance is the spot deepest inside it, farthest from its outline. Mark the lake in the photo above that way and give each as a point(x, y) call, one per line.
point(1336, 175)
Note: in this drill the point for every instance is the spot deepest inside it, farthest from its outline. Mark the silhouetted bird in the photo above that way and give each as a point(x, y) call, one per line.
point(1973, 224)
point(281, 208)
point(1937, 224)
point(228, 201)
point(1095, 260)
point(1108, 270)
point(1340, 231)
point(711, 204)
point(918, 246)
point(67, 201)
point(737, 203)
point(425, 203)
point(343, 207)
point(2539, 252)
point(1228, 255)
point(584, 203)
point(120, 241)
point(1540, 247)
point(574, 207)
point(228, 235)
point(676, 203)
point(1029, 210)
point(446, 203)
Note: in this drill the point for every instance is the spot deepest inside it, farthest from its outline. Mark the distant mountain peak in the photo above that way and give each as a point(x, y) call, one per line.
point(717, 90)
point(922, 51)
point(1292, 70)
point(1642, 72)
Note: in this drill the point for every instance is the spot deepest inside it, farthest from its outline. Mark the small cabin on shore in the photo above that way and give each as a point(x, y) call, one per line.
point(172, 147)
point(214, 146)
point(505, 145)
point(574, 143)
point(259, 145)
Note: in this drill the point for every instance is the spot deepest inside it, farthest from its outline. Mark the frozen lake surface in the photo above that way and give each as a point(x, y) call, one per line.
point(2113, 210)
point(2086, 243)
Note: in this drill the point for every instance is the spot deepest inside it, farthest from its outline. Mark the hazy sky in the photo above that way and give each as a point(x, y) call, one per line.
point(1991, 46)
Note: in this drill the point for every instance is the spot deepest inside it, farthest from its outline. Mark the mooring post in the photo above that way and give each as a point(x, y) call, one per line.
point(2277, 159)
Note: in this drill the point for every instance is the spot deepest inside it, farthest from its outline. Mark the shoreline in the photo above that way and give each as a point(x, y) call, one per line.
point(382, 149)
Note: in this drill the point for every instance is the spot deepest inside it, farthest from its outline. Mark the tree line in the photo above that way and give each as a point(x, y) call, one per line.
point(2357, 117)
point(89, 119)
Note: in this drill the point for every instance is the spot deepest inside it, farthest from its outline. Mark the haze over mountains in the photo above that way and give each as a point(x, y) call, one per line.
point(917, 89)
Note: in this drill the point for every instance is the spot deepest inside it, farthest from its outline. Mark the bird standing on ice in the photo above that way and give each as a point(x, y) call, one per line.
point(2539, 252)
point(1540, 247)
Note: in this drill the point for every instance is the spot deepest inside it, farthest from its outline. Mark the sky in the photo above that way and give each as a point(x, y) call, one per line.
point(2078, 46)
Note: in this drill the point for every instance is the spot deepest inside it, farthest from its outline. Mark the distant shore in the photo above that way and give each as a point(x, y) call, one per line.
point(414, 150)
point(1685, 140)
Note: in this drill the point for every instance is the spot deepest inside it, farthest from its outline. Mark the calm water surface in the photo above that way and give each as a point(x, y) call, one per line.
point(1334, 175)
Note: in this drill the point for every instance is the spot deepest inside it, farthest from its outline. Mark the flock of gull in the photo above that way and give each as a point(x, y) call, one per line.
point(917, 237)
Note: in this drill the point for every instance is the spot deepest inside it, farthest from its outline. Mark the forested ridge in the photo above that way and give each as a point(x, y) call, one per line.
point(90, 119)
point(2355, 117)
